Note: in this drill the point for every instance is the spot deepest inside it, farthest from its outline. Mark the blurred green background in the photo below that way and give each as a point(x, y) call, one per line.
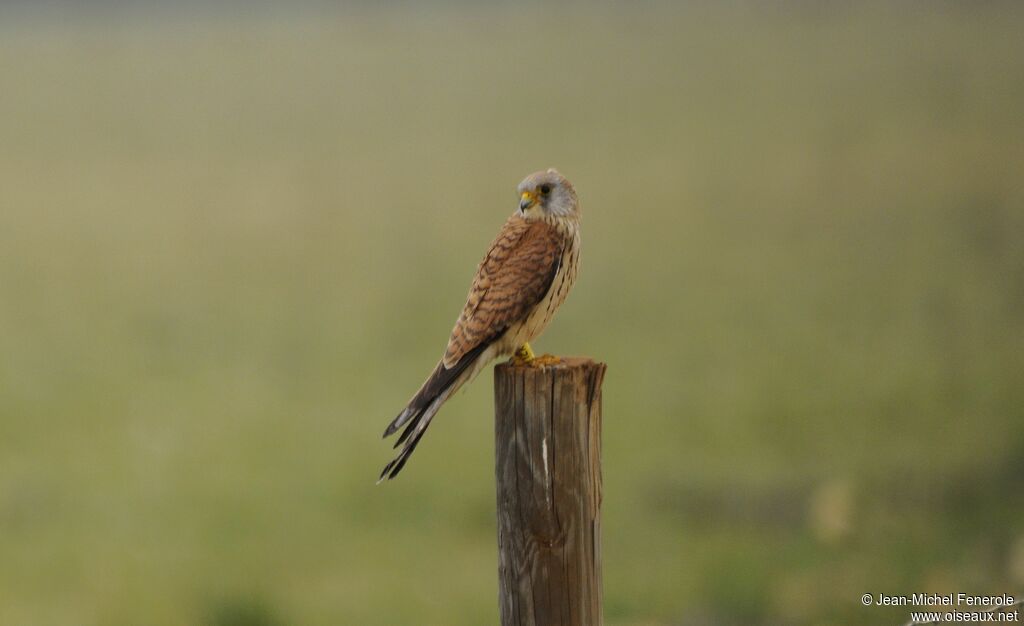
point(233, 242)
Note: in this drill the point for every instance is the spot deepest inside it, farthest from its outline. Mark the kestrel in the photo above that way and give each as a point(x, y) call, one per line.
point(522, 280)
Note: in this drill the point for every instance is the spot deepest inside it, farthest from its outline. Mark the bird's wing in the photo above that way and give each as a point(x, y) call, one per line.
point(513, 277)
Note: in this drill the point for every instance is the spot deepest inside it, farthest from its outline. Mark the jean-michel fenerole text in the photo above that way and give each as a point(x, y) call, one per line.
point(950, 599)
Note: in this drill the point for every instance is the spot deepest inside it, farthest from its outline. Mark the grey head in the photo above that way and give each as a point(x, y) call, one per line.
point(547, 193)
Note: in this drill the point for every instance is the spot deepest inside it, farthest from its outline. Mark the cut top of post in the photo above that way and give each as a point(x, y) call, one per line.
point(564, 362)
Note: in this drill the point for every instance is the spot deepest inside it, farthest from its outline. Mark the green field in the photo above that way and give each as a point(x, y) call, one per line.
point(231, 247)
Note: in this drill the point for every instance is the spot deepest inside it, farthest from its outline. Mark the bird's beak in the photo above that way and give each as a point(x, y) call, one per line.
point(526, 200)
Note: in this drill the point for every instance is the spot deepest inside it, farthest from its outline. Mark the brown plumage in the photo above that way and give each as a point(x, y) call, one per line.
point(514, 276)
point(524, 277)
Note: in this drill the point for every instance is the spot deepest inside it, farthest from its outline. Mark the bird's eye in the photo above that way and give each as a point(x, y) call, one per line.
point(545, 189)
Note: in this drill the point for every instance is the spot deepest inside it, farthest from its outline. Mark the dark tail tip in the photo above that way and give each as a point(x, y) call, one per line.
point(392, 468)
point(403, 417)
point(384, 474)
point(416, 429)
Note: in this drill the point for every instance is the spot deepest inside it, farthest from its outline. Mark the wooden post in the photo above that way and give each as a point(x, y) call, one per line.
point(548, 467)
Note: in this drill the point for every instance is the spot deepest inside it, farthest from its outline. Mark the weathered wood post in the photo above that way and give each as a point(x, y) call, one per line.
point(548, 467)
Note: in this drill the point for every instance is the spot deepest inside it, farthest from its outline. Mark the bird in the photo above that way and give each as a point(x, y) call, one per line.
point(523, 279)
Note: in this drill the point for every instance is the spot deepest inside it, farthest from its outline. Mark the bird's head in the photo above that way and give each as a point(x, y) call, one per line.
point(547, 193)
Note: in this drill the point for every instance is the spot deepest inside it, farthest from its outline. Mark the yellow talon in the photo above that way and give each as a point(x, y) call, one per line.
point(547, 359)
point(523, 356)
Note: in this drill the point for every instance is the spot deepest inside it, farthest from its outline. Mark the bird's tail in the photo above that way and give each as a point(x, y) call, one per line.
point(439, 386)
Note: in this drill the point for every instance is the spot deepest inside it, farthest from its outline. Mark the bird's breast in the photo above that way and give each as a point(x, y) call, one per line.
point(541, 315)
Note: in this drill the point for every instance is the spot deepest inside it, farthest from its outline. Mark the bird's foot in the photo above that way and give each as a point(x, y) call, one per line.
point(523, 356)
point(545, 359)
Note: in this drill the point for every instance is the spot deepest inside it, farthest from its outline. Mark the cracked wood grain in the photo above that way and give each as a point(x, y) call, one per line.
point(548, 470)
